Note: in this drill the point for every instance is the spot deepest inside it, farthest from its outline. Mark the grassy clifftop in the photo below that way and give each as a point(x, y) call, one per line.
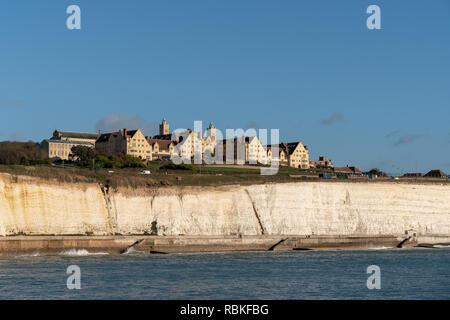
point(131, 177)
point(197, 176)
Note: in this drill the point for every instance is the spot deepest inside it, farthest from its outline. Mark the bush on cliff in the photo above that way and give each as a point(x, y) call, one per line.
point(82, 155)
point(25, 153)
point(133, 162)
point(107, 162)
point(119, 161)
point(172, 166)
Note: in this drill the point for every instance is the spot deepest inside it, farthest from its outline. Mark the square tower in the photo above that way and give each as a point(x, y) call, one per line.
point(164, 127)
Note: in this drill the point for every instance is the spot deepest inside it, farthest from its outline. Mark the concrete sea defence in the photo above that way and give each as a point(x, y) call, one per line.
point(256, 217)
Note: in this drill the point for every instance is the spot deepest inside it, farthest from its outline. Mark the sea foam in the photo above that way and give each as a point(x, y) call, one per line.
point(81, 253)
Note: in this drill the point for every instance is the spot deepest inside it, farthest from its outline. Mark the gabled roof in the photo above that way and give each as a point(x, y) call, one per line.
point(280, 149)
point(287, 147)
point(162, 143)
point(131, 133)
point(356, 170)
point(105, 136)
point(290, 147)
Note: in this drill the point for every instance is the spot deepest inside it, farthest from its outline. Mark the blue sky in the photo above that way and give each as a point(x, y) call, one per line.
point(370, 98)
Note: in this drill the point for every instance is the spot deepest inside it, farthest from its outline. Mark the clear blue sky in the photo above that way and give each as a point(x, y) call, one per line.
point(310, 68)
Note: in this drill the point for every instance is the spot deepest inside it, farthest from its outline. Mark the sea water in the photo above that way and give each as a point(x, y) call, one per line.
point(404, 274)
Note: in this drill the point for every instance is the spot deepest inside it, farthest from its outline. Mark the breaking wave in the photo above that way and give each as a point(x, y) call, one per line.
point(36, 254)
point(81, 253)
point(381, 248)
point(441, 246)
point(130, 250)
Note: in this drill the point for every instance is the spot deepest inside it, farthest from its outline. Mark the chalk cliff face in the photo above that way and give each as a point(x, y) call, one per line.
point(31, 206)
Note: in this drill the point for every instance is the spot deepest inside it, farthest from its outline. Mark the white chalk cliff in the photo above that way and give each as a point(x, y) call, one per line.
point(33, 206)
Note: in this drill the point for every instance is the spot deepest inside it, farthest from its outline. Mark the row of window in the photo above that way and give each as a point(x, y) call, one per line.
point(139, 145)
point(60, 146)
point(59, 153)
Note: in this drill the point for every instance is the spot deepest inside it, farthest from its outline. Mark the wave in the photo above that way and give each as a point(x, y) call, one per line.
point(130, 250)
point(36, 254)
point(381, 248)
point(441, 246)
point(81, 253)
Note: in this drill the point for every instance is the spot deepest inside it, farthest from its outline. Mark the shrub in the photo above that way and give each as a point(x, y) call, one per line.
point(34, 162)
point(133, 162)
point(12, 153)
point(172, 166)
point(83, 155)
point(107, 162)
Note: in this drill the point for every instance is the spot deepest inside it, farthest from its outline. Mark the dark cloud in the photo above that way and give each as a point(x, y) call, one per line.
point(392, 133)
point(115, 122)
point(334, 118)
point(406, 139)
point(17, 136)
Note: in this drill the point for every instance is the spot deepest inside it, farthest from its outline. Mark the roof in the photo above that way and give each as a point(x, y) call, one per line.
point(238, 139)
point(436, 173)
point(74, 135)
point(350, 170)
point(343, 169)
point(174, 136)
point(86, 143)
point(280, 150)
point(105, 136)
point(413, 174)
point(131, 133)
point(163, 137)
point(356, 170)
point(288, 147)
point(162, 143)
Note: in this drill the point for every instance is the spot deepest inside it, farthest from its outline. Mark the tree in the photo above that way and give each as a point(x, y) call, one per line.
point(133, 162)
point(82, 155)
point(107, 162)
point(377, 172)
point(20, 153)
